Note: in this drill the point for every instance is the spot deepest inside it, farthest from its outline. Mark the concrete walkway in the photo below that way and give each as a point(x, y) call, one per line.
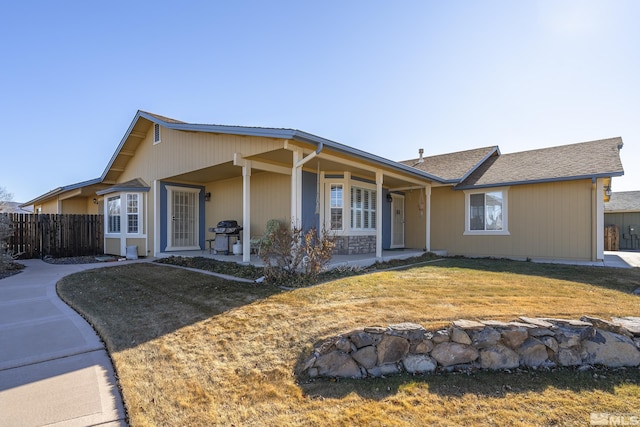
point(54, 370)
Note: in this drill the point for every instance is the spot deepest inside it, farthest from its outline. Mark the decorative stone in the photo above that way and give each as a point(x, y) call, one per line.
point(467, 324)
point(514, 337)
point(609, 349)
point(567, 322)
point(440, 336)
point(362, 339)
point(388, 369)
point(375, 329)
point(485, 338)
point(499, 357)
point(392, 349)
point(495, 323)
point(569, 357)
point(337, 364)
point(419, 363)
point(606, 326)
point(343, 344)
point(551, 343)
point(532, 353)
point(459, 336)
point(451, 353)
point(423, 347)
point(536, 322)
point(631, 324)
point(309, 363)
point(366, 356)
point(541, 332)
point(410, 331)
point(568, 337)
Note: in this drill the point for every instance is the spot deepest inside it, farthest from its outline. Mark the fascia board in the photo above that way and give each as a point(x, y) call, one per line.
point(539, 181)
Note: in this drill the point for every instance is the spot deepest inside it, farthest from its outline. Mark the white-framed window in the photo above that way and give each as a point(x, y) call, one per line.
point(486, 211)
point(124, 213)
point(363, 208)
point(113, 214)
point(156, 133)
point(337, 206)
point(133, 213)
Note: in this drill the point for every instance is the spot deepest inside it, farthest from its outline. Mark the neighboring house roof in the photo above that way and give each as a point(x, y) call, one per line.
point(60, 190)
point(623, 201)
point(13, 207)
point(453, 167)
point(594, 159)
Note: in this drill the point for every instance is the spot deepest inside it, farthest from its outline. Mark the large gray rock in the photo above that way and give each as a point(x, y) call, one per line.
point(609, 349)
point(452, 353)
point(569, 357)
point(551, 343)
point(419, 363)
point(606, 326)
point(499, 357)
point(631, 324)
point(337, 364)
point(366, 356)
point(363, 339)
point(487, 337)
point(467, 324)
point(392, 349)
point(533, 353)
point(379, 371)
point(423, 347)
point(515, 337)
point(459, 336)
point(440, 336)
point(410, 331)
point(343, 344)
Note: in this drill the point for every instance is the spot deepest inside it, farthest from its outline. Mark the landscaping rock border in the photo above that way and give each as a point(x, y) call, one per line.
point(467, 344)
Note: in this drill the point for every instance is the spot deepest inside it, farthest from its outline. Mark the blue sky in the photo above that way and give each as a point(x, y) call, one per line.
point(384, 77)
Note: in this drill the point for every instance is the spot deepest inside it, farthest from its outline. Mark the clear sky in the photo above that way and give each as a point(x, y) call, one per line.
point(385, 77)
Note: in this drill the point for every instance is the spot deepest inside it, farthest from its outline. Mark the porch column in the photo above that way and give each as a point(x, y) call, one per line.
point(296, 188)
point(379, 179)
point(427, 194)
point(246, 211)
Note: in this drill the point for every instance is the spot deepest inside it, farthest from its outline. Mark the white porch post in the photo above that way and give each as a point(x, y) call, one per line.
point(246, 211)
point(157, 227)
point(379, 179)
point(427, 245)
point(296, 188)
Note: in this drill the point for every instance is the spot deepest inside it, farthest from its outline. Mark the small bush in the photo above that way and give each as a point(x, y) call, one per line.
point(294, 257)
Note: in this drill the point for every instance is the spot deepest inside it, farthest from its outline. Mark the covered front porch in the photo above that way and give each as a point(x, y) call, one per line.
point(358, 260)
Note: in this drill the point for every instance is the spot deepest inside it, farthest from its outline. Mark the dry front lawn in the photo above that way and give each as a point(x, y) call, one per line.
point(191, 349)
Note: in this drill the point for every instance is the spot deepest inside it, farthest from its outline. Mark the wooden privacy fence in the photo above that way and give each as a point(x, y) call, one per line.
point(611, 238)
point(39, 235)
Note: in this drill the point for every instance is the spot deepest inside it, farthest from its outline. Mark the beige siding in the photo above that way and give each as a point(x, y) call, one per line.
point(547, 221)
point(182, 152)
point(49, 207)
point(112, 246)
point(270, 198)
point(77, 205)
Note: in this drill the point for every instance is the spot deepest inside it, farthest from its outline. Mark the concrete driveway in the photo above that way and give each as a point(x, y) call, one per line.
point(54, 370)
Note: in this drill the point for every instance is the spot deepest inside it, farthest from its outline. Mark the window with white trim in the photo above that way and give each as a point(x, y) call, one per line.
point(363, 209)
point(133, 213)
point(337, 207)
point(486, 212)
point(113, 214)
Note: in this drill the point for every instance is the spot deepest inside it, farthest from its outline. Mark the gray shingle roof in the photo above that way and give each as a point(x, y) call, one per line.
point(623, 201)
point(453, 166)
point(575, 161)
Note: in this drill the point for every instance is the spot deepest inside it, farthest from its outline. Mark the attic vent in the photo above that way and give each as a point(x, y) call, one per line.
point(156, 133)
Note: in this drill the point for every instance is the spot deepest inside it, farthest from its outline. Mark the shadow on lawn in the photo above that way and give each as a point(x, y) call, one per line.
point(135, 303)
point(481, 383)
point(618, 279)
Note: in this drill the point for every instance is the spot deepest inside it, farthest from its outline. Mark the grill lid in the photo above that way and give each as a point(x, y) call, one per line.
point(227, 223)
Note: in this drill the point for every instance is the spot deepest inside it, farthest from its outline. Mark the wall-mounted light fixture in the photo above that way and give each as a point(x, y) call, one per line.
point(207, 197)
point(607, 190)
point(389, 198)
point(95, 201)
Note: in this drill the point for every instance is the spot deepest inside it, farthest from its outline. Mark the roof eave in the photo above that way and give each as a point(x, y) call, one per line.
point(60, 190)
point(539, 181)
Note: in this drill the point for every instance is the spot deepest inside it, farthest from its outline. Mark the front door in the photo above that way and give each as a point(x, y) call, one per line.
point(397, 221)
point(183, 226)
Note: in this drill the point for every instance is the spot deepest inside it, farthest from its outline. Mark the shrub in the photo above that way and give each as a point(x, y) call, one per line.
point(294, 257)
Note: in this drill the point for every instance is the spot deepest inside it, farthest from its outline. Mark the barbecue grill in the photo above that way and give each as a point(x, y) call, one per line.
point(225, 231)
